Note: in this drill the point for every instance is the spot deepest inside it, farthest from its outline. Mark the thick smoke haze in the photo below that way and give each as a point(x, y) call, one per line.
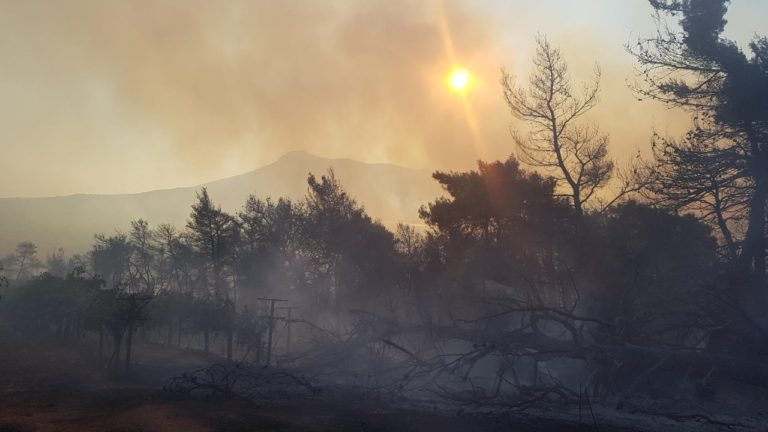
point(109, 97)
point(383, 215)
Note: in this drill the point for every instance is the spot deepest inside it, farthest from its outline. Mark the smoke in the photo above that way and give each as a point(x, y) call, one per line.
point(215, 87)
point(113, 96)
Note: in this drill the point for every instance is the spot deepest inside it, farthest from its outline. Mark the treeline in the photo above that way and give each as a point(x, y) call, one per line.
point(501, 234)
point(324, 254)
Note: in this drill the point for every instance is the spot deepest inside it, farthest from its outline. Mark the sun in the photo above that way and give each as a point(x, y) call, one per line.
point(459, 80)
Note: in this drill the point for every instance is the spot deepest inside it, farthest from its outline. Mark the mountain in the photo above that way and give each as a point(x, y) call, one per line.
point(389, 193)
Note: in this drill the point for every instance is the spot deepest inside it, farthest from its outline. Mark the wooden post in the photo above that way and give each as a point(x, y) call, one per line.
point(271, 326)
point(259, 347)
point(271, 329)
point(288, 322)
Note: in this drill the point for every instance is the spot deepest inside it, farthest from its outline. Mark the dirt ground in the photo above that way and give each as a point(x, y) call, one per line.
point(49, 385)
point(132, 410)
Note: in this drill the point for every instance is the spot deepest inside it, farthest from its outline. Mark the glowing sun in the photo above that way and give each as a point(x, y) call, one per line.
point(459, 80)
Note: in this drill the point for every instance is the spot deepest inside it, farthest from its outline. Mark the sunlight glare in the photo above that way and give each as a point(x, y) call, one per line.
point(459, 80)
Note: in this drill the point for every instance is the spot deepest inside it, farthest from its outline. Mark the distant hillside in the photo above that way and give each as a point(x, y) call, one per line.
point(389, 193)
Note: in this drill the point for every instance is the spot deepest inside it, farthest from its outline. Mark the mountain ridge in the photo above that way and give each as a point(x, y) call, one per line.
point(390, 193)
point(287, 155)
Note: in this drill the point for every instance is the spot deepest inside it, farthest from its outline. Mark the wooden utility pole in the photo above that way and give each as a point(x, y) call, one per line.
point(272, 302)
point(288, 322)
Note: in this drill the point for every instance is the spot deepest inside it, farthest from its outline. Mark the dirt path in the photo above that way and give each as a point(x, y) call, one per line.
point(107, 410)
point(137, 410)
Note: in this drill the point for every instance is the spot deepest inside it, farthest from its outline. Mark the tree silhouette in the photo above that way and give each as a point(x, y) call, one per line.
point(498, 223)
point(213, 233)
point(347, 250)
point(271, 246)
point(575, 153)
point(56, 264)
point(722, 164)
point(111, 258)
point(23, 261)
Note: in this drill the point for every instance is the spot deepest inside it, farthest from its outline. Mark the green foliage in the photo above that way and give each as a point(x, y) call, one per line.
point(214, 236)
point(496, 224)
point(351, 251)
point(272, 247)
point(110, 257)
point(211, 313)
point(646, 268)
point(497, 200)
point(23, 263)
point(720, 170)
point(501, 232)
point(47, 300)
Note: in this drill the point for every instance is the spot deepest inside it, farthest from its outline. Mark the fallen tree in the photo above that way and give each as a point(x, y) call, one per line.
point(244, 381)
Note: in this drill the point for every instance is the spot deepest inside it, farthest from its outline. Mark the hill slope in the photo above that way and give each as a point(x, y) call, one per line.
point(389, 193)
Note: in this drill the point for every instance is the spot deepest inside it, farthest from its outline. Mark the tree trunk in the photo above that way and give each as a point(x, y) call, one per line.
point(745, 369)
point(128, 342)
point(578, 206)
point(724, 229)
point(754, 253)
point(101, 342)
point(259, 347)
point(169, 338)
point(754, 293)
point(230, 342)
point(115, 359)
point(21, 268)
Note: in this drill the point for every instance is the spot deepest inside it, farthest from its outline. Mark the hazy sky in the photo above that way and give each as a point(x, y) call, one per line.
point(124, 96)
